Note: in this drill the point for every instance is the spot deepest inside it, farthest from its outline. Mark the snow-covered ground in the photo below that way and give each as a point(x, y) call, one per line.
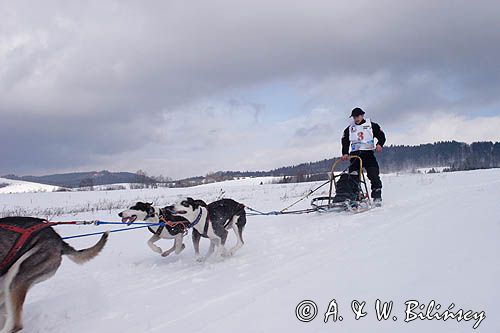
point(436, 238)
point(19, 186)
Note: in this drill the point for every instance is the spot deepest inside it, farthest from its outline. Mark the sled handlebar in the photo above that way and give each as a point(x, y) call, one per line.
point(350, 157)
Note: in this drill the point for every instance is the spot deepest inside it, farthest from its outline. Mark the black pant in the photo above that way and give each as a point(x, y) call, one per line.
point(371, 165)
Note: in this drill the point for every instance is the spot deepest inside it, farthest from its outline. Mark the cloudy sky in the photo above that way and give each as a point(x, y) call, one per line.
point(182, 88)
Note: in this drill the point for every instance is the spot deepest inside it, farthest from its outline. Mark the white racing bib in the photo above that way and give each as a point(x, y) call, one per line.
point(361, 136)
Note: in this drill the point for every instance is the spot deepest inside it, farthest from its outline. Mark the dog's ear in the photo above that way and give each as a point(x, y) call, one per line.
point(200, 203)
point(169, 208)
point(136, 205)
point(192, 202)
point(150, 210)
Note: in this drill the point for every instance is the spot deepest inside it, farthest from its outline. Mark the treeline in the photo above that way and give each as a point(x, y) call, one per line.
point(451, 155)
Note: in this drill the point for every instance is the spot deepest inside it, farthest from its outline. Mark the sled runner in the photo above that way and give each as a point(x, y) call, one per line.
point(351, 191)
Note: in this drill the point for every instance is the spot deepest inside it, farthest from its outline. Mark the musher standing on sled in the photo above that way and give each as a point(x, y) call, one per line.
point(360, 137)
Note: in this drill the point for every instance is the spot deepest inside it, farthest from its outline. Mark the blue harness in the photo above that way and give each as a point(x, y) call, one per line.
point(197, 220)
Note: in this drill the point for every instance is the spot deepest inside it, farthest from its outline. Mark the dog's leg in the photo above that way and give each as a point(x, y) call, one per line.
point(223, 251)
point(196, 243)
point(238, 230)
point(151, 244)
point(220, 249)
point(218, 236)
point(179, 245)
point(166, 253)
point(16, 299)
point(8, 321)
point(3, 310)
point(13, 296)
point(213, 242)
point(239, 242)
point(3, 316)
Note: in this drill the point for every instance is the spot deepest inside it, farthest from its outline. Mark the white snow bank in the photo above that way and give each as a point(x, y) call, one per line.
point(19, 186)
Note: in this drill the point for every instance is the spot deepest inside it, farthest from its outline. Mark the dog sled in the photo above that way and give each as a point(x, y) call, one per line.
point(348, 191)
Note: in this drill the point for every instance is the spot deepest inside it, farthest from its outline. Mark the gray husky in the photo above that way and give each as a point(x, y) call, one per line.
point(37, 260)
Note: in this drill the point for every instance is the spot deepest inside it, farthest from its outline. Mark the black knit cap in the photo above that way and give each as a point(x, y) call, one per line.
point(357, 112)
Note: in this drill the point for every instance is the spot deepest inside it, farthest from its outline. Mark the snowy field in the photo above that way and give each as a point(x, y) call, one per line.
point(436, 238)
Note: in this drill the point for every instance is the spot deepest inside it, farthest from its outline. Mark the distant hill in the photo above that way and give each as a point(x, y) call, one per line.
point(80, 179)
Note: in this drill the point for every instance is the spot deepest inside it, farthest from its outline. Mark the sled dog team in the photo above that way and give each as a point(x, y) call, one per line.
point(212, 221)
point(31, 250)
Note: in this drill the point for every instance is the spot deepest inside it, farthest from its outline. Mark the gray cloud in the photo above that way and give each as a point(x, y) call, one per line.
point(87, 84)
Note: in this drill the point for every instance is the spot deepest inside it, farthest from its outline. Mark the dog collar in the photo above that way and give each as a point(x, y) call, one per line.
point(197, 220)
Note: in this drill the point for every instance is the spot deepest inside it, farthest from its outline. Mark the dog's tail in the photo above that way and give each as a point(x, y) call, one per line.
point(82, 256)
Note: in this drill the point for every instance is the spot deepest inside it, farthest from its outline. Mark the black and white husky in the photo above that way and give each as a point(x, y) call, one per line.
point(37, 260)
point(144, 211)
point(213, 221)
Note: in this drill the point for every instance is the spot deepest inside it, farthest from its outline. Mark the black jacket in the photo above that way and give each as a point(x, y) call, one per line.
point(377, 133)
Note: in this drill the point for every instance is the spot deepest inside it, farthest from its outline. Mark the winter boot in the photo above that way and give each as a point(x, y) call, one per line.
point(377, 196)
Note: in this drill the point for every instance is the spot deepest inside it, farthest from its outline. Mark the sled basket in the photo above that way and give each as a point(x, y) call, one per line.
point(350, 195)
